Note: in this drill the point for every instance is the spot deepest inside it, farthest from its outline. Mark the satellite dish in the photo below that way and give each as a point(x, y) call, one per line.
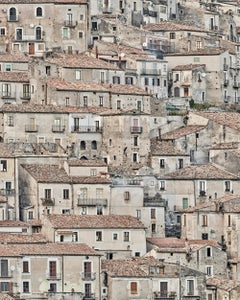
point(203, 75)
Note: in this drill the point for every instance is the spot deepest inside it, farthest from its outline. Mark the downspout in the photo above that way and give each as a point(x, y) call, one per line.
point(16, 202)
point(62, 273)
point(72, 195)
point(99, 277)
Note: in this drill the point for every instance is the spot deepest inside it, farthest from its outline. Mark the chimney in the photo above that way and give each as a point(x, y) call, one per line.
point(96, 51)
point(159, 134)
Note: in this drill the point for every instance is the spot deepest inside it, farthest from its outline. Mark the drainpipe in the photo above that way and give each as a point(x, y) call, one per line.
point(99, 277)
point(62, 273)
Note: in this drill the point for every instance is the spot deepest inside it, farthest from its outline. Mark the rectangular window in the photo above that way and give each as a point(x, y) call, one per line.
point(163, 289)
point(153, 213)
point(184, 203)
point(2, 31)
point(209, 271)
point(135, 141)
point(180, 163)
point(153, 227)
point(138, 211)
point(47, 193)
point(126, 195)
point(5, 286)
point(229, 221)
point(209, 251)
point(162, 185)
point(102, 77)
point(190, 287)
point(26, 287)
point(66, 211)
point(8, 67)
point(3, 165)
point(66, 194)
point(172, 35)
point(115, 236)
point(78, 74)
point(80, 34)
point(204, 220)
point(162, 163)
point(85, 101)
point(99, 210)
point(83, 193)
point(202, 188)
point(126, 236)
point(74, 237)
point(6, 90)
point(100, 101)
point(98, 236)
point(135, 157)
point(146, 81)
point(4, 268)
point(93, 172)
point(30, 215)
point(26, 91)
point(87, 270)
point(133, 288)
point(25, 267)
point(53, 269)
point(53, 287)
point(65, 32)
point(227, 186)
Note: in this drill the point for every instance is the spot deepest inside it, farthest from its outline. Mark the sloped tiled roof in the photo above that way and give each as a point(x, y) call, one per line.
point(21, 238)
point(223, 283)
point(172, 26)
point(94, 221)
point(16, 57)
point(208, 171)
point(86, 163)
point(187, 67)
point(14, 77)
point(166, 148)
point(181, 131)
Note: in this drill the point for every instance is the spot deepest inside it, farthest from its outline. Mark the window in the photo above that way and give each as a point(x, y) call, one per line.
point(100, 101)
point(116, 80)
point(38, 33)
point(135, 141)
point(65, 32)
point(153, 213)
point(3, 165)
point(204, 220)
point(4, 268)
point(93, 172)
point(67, 101)
point(85, 101)
point(118, 104)
point(172, 35)
point(227, 186)
point(153, 227)
point(102, 77)
point(12, 14)
point(191, 155)
point(94, 145)
point(39, 12)
point(199, 44)
point(74, 237)
point(129, 80)
point(83, 193)
point(30, 215)
point(75, 124)
point(162, 185)
point(126, 236)
point(6, 90)
point(87, 290)
point(204, 236)
point(137, 254)
point(190, 287)
point(184, 203)
point(4, 286)
point(47, 194)
point(66, 194)
point(2, 31)
point(180, 163)
point(115, 236)
point(209, 271)
point(209, 251)
point(25, 267)
point(202, 188)
point(82, 145)
point(126, 195)
point(99, 210)
point(80, 34)
point(78, 74)
point(66, 211)
point(133, 288)
point(135, 157)
point(98, 236)
point(138, 212)
point(163, 289)
point(162, 163)
point(229, 221)
point(52, 269)
point(61, 238)
point(26, 90)
point(53, 287)
point(26, 287)
point(109, 255)
point(81, 17)
point(146, 81)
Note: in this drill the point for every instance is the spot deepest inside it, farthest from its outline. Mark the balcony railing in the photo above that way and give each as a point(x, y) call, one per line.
point(136, 129)
point(48, 201)
point(31, 128)
point(89, 296)
point(8, 95)
point(58, 128)
point(86, 129)
point(92, 202)
point(56, 276)
point(70, 23)
point(164, 296)
point(6, 274)
point(88, 276)
point(151, 72)
point(236, 84)
point(7, 192)
point(26, 96)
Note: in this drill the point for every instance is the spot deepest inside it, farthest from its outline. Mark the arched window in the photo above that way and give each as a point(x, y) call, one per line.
point(39, 12)
point(82, 145)
point(38, 33)
point(94, 145)
point(12, 14)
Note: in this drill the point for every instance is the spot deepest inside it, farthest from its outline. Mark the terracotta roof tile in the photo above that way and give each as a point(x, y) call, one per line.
point(86, 163)
point(181, 131)
point(225, 146)
point(173, 26)
point(208, 171)
point(94, 221)
point(5, 296)
point(16, 57)
point(80, 61)
point(187, 67)
point(223, 283)
point(14, 77)
point(11, 223)
point(166, 148)
point(21, 238)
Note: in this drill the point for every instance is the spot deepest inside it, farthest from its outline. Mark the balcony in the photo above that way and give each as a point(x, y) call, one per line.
point(70, 23)
point(52, 276)
point(89, 296)
point(164, 296)
point(191, 296)
point(58, 128)
point(86, 129)
point(7, 192)
point(31, 128)
point(152, 13)
point(48, 201)
point(92, 202)
point(202, 193)
point(136, 129)
point(88, 276)
point(6, 274)
point(236, 84)
point(151, 72)
point(26, 96)
point(8, 95)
